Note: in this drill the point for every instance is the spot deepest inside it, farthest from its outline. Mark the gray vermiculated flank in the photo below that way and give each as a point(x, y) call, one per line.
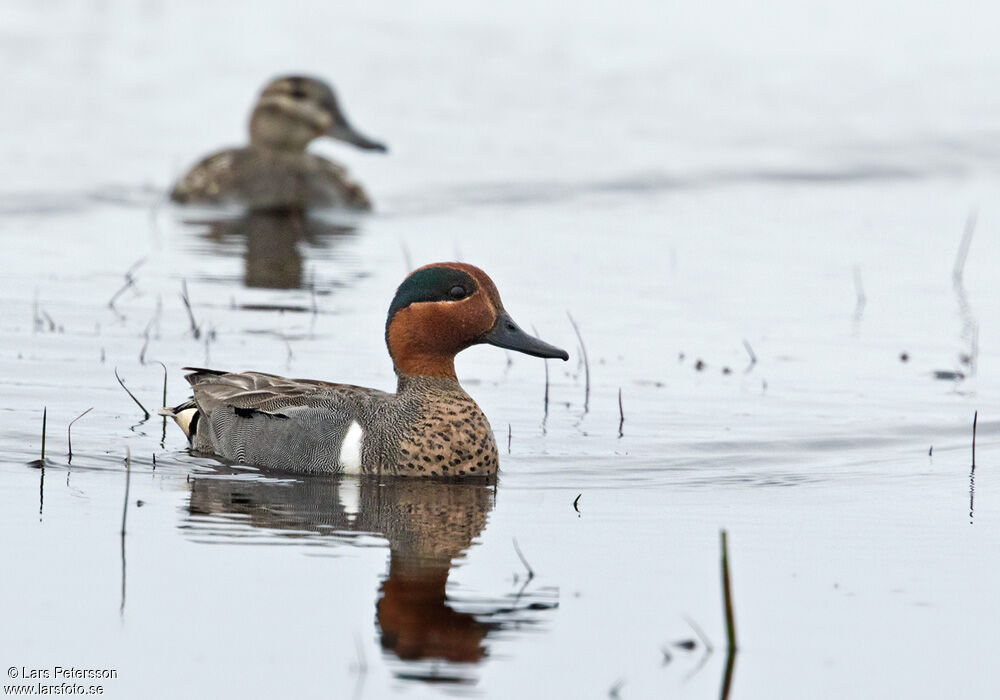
point(297, 425)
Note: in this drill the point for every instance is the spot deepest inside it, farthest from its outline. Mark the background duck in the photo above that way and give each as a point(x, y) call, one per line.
point(429, 427)
point(275, 171)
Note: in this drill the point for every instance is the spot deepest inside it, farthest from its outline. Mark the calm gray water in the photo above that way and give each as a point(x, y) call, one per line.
point(796, 177)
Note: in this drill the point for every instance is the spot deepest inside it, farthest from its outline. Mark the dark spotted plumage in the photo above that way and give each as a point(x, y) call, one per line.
point(429, 428)
point(449, 437)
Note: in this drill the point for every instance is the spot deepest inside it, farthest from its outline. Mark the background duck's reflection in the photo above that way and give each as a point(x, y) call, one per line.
point(272, 240)
point(428, 525)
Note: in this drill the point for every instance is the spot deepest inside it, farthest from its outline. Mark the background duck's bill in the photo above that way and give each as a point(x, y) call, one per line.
point(507, 334)
point(348, 134)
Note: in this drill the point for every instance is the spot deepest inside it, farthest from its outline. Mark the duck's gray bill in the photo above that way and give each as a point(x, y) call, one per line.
point(346, 133)
point(507, 334)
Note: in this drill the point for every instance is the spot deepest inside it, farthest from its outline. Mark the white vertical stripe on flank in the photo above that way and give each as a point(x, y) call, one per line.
point(350, 449)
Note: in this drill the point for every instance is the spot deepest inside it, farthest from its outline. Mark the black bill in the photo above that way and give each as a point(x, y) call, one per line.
point(507, 334)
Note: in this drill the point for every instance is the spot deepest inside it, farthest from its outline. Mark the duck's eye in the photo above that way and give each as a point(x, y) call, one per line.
point(457, 292)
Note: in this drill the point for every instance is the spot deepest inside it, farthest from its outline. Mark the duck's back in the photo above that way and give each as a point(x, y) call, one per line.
point(284, 424)
point(260, 178)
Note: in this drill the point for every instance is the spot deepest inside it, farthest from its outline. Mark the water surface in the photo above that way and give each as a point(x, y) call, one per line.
point(795, 181)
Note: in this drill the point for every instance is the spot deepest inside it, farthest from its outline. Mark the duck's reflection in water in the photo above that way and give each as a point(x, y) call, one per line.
point(427, 524)
point(271, 243)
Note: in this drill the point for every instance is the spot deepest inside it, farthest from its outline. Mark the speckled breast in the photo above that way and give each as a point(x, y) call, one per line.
point(451, 438)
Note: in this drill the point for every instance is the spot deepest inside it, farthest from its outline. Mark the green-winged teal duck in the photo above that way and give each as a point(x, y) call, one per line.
point(275, 171)
point(429, 427)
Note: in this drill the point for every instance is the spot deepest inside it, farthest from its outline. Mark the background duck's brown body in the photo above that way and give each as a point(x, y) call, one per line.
point(270, 179)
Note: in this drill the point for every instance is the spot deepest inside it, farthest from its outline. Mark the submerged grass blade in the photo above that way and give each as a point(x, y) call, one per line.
point(69, 431)
point(137, 402)
point(621, 415)
point(751, 353)
point(527, 566)
point(958, 271)
point(45, 417)
point(732, 648)
point(586, 364)
point(128, 479)
point(195, 329)
point(727, 593)
point(975, 420)
point(546, 399)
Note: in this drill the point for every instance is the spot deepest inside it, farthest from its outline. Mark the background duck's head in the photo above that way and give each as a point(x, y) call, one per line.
point(293, 110)
point(443, 308)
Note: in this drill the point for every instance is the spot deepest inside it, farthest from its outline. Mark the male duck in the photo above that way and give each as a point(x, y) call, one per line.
point(429, 427)
point(275, 171)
